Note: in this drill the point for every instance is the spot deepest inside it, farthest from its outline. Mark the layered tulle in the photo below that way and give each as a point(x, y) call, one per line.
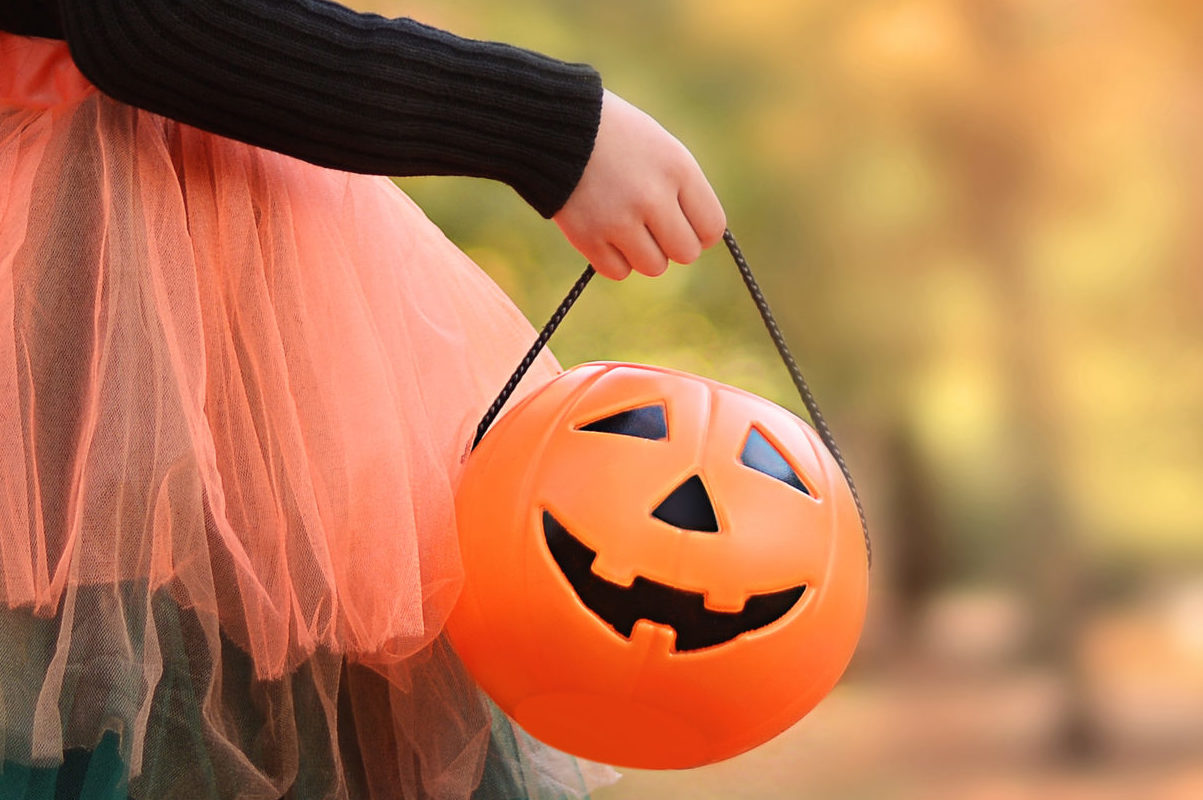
point(235, 393)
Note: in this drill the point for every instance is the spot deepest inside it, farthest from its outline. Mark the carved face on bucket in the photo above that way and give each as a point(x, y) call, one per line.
point(687, 507)
point(660, 570)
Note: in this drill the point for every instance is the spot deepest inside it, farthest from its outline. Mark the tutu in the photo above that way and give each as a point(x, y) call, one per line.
point(235, 394)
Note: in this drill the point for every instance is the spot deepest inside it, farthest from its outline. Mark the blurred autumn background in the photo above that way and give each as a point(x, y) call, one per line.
point(981, 224)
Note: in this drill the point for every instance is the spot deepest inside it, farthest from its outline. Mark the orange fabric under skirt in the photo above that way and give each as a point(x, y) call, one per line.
point(238, 387)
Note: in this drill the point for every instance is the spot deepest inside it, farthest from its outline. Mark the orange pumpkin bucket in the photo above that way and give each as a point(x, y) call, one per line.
point(661, 571)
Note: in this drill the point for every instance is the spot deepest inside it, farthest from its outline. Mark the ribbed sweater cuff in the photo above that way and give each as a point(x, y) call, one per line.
point(342, 89)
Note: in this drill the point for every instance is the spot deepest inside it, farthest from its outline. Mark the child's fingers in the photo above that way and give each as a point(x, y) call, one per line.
point(703, 209)
point(675, 236)
point(642, 252)
point(609, 262)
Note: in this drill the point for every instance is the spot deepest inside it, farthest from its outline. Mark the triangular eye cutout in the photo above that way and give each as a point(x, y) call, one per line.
point(645, 422)
point(760, 455)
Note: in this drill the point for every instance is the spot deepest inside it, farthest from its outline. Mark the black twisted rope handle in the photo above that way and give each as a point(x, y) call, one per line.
point(808, 398)
point(533, 353)
point(762, 305)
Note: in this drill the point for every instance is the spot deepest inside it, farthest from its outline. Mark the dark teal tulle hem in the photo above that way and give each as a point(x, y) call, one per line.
point(99, 774)
point(177, 758)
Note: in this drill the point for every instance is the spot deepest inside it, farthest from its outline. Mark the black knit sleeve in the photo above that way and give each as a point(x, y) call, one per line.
point(343, 89)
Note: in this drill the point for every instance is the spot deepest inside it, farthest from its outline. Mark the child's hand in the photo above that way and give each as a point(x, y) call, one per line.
point(642, 199)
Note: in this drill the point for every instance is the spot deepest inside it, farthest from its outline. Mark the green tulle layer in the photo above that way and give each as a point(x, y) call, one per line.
point(99, 774)
point(200, 726)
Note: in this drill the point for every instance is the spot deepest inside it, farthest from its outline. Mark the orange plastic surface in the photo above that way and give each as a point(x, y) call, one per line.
point(573, 680)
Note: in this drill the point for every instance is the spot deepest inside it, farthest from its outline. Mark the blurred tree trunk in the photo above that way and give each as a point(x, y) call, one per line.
point(917, 553)
point(994, 154)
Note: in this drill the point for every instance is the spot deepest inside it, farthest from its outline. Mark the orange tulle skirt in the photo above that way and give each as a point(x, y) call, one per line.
point(235, 394)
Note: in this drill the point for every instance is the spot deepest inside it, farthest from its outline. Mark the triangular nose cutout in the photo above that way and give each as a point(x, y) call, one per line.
point(689, 508)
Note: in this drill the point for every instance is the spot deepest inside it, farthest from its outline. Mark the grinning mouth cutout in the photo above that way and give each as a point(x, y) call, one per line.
point(620, 607)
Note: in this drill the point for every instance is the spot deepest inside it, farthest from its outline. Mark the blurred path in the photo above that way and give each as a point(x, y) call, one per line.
point(961, 719)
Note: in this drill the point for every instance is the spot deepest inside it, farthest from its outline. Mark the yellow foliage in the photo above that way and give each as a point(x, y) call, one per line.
point(980, 219)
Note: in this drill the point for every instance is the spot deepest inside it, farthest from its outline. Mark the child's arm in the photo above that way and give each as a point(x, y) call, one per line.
point(359, 92)
point(356, 92)
point(642, 199)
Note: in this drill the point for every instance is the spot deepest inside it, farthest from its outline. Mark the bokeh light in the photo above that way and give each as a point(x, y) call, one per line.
point(979, 223)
